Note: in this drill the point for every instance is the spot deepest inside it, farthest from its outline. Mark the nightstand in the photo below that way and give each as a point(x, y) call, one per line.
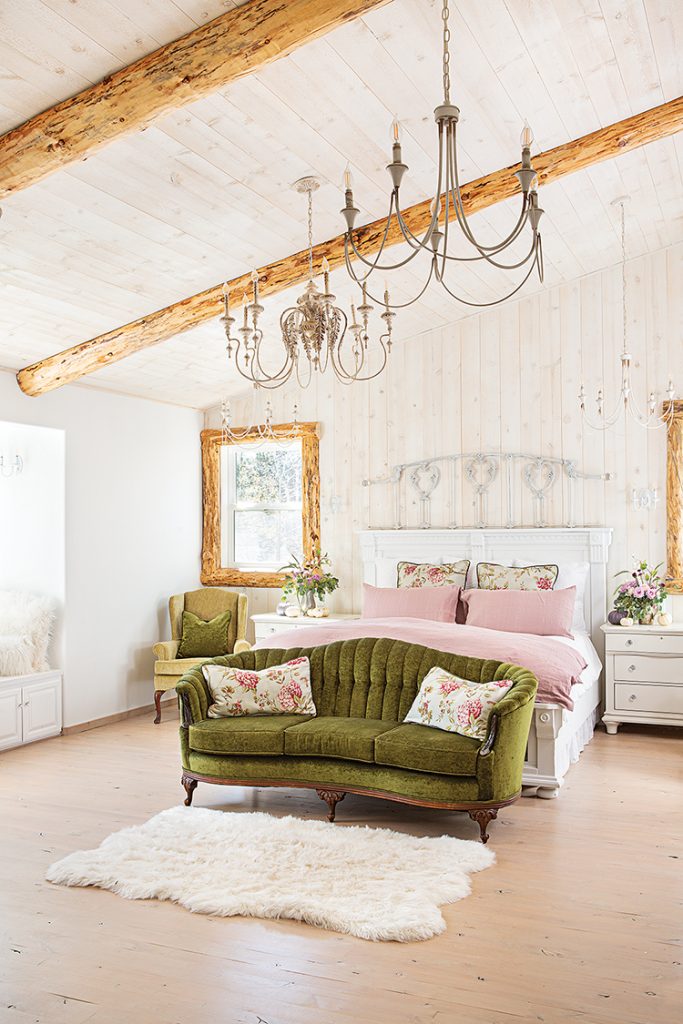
point(266, 623)
point(643, 675)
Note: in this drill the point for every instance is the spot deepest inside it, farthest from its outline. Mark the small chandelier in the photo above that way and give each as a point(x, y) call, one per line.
point(625, 401)
point(260, 434)
point(313, 331)
point(435, 241)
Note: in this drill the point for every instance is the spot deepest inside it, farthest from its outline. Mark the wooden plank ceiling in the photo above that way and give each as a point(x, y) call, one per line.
point(204, 193)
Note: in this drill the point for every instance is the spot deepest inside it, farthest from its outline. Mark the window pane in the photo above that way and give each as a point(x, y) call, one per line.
point(268, 476)
point(265, 537)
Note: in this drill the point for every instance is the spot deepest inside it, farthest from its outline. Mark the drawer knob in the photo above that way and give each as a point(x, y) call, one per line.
point(632, 668)
point(633, 697)
point(629, 642)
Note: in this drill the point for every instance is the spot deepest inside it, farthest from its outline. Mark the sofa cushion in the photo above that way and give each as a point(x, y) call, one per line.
point(254, 734)
point(428, 750)
point(178, 667)
point(352, 739)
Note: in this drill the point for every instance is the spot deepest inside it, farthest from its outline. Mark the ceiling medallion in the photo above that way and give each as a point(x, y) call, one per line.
point(316, 333)
point(435, 240)
point(626, 402)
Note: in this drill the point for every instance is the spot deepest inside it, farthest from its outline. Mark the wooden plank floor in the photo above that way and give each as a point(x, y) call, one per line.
point(580, 920)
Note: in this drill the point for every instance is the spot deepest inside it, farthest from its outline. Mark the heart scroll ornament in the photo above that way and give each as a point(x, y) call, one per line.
point(481, 471)
point(425, 479)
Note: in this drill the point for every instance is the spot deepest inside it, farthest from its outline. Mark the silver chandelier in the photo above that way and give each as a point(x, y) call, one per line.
point(435, 241)
point(626, 401)
point(316, 334)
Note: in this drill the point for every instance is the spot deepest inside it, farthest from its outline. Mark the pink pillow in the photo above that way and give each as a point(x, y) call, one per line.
point(435, 603)
point(543, 612)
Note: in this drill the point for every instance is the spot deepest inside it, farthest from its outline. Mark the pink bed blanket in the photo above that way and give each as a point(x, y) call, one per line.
point(556, 665)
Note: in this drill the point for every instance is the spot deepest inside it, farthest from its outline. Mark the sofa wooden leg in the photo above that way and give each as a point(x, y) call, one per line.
point(190, 785)
point(331, 798)
point(482, 816)
point(158, 694)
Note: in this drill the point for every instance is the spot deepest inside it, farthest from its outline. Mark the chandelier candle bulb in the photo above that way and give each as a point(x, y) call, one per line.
point(526, 136)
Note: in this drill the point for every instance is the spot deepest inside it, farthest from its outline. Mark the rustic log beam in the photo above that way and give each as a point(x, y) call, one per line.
point(233, 45)
point(89, 356)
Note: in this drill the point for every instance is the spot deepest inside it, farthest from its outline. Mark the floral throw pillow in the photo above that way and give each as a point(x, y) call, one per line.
point(279, 690)
point(422, 574)
point(447, 702)
point(508, 577)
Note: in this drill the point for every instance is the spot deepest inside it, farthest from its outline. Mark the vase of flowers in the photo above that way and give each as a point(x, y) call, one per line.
point(641, 597)
point(308, 579)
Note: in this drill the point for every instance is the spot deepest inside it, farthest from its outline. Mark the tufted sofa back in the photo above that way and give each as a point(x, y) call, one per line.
point(369, 677)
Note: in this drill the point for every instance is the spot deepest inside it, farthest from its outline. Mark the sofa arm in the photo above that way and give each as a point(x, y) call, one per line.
point(193, 697)
point(501, 758)
point(241, 646)
point(167, 650)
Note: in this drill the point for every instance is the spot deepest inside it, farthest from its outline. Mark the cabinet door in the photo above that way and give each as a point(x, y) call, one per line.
point(10, 718)
point(42, 709)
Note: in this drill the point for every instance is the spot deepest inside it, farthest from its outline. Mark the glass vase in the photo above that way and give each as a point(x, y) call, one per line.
point(647, 616)
point(306, 602)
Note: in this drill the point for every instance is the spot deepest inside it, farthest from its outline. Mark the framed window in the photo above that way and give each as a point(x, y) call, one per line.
point(674, 499)
point(261, 505)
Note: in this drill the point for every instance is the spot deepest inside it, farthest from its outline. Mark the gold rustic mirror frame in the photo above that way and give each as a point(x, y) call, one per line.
point(214, 574)
point(674, 499)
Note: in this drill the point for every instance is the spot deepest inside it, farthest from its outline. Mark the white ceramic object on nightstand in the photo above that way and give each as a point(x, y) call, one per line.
point(643, 675)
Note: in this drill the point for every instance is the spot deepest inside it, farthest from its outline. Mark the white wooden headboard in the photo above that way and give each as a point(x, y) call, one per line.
point(381, 550)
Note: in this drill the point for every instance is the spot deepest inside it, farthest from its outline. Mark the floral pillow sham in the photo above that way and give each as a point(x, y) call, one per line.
point(448, 702)
point(424, 574)
point(491, 576)
point(278, 690)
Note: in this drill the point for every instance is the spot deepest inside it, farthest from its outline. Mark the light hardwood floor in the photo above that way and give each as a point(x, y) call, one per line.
point(580, 920)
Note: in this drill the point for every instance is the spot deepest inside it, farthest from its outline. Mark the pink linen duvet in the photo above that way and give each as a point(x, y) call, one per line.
point(556, 665)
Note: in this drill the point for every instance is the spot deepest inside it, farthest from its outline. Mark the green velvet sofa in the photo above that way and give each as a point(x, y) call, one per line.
point(363, 688)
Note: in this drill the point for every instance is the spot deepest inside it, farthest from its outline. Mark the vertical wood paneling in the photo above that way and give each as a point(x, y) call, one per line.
point(507, 378)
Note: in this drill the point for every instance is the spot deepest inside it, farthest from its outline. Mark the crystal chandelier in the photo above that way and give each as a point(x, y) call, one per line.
point(262, 433)
point(316, 334)
point(435, 241)
point(625, 401)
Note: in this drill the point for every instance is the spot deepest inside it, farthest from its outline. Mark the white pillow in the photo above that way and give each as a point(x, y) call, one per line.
point(278, 690)
point(575, 574)
point(572, 574)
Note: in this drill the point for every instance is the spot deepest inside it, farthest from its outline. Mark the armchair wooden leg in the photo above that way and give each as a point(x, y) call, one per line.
point(331, 797)
point(158, 694)
point(190, 785)
point(482, 816)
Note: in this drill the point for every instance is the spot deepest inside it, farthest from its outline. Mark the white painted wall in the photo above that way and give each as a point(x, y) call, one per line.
point(32, 526)
point(133, 513)
point(506, 379)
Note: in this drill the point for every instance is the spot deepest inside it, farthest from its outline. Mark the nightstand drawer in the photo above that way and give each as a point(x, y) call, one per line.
point(645, 668)
point(645, 643)
point(650, 698)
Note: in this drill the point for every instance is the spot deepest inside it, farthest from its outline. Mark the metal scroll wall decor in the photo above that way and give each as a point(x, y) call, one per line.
point(479, 470)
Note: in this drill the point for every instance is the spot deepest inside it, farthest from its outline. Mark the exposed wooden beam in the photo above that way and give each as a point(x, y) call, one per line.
point(227, 48)
point(80, 360)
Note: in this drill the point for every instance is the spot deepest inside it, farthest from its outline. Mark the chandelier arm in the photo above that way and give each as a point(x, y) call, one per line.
point(375, 264)
point(404, 305)
point(495, 302)
point(349, 378)
point(282, 374)
point(462, 216)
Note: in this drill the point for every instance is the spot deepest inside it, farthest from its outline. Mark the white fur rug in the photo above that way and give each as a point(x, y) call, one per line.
point(373, 883)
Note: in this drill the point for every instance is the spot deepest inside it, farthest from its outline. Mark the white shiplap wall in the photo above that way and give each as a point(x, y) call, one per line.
point(506, 379)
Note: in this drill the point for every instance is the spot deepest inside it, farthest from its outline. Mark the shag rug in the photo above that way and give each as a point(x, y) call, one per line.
point(370, 882)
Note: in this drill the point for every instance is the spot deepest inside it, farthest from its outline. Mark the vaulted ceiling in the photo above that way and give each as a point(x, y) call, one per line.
point(204, 194)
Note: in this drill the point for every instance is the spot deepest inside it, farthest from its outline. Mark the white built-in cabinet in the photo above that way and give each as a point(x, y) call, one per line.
point(30, 708)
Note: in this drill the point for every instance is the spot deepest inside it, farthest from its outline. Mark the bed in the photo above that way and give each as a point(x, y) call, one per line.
point(558, 734)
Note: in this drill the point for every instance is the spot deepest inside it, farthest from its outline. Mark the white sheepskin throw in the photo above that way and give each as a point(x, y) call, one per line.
point(369, 882)
point(26, 622)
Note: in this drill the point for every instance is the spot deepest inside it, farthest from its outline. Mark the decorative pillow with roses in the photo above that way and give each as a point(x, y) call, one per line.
point(278, 690)
point(447, 702)
point(491, 576)
point(423, 574)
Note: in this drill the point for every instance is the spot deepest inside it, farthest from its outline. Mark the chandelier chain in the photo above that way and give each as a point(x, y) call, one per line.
point(623, 273)
point(446, 53)
point(310, 233)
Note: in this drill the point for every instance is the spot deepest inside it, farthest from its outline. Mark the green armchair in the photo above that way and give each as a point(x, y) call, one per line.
point(206, 604)
point(358, 741)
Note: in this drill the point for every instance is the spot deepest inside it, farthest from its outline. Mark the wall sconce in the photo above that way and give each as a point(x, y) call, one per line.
point(645, 499)
point(13, 468)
